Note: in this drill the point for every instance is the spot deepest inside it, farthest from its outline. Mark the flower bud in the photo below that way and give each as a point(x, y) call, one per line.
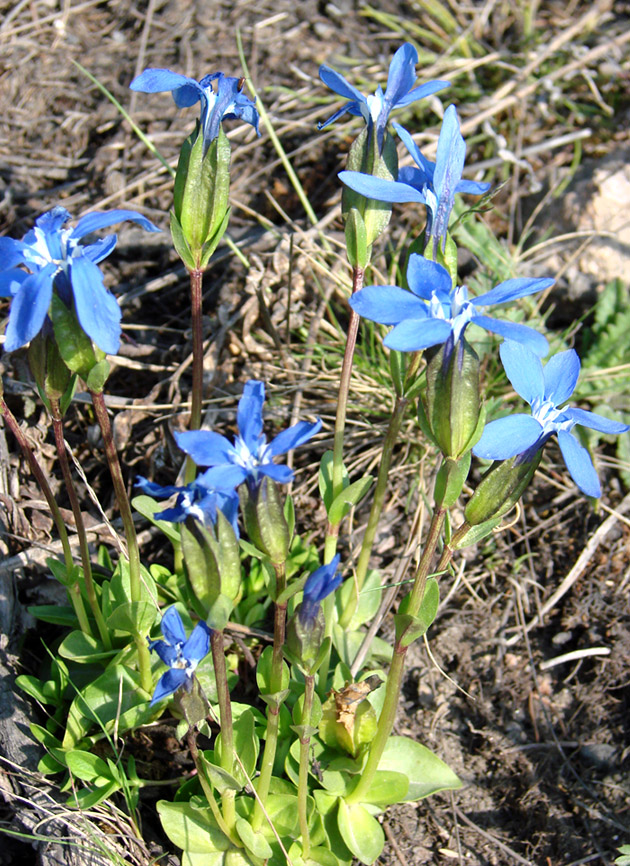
point(452, 409)
point(304, 638)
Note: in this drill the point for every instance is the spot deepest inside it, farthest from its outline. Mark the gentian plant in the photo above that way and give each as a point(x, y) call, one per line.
point(306, 780)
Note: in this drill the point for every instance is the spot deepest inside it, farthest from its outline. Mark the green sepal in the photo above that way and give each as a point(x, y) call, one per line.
point(410, 627)
point(467, 535)
point(356, 240)
point(212, 243)
point(349, 497)
point(500, 488)
point(450, 480)
point(192, 703)
point(78, 352)
point(447, 257)
point(182, 247)
point(97, 376)
point(398, 370)
point(363, 156)
point(52, 375)
point(266, 525)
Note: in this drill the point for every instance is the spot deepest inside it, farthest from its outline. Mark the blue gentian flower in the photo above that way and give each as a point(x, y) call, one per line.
point(250, 457)
point(182, 656)
point(320, 584)
point(376, 109)
point(199, 499)
point(226, 102)
point(545, 388)
point(433, 184)
point(55, 255)
point(433, 311)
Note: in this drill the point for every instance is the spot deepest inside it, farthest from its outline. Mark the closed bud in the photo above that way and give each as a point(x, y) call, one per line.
point(304, 637)
point(452, 405)
point(54, 380)
point(200, 199)
point(501, 487)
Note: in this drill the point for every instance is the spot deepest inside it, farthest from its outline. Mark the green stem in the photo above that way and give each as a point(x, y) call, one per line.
point(227, 728)
point(207, 788)
point(304, 764)
point(120, 491)
point(196, 283)
point(394, 679)
point(380, 490)
point(74, 590)
point(273, 710)
point(90, 589)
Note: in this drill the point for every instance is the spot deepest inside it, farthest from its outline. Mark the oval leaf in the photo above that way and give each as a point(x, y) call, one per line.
point(360, 831)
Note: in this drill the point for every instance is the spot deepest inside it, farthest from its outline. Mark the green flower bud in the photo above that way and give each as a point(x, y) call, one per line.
point(200, 201)
point(451, 409)
point(501, 487)
point(304, 638)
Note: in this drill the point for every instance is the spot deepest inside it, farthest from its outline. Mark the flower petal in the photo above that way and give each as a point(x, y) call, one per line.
point(423, 90)
point(508, 437)
point(293, 437)
point(561, 374)
point(524, 369)
point(401, 77)
point(249, 414)
point(472, 187)
point(11, 253)
point(155, 490)
point(281, 474)
point(579, 464)
point(513, 331)
point(168, 683)
point(157, 80)
point(510, 290)
point(338, 84)
point(425, 277)
point(416, 334)
point(173, 627)
point(205, 447)
point(97, 309)
point(388, 305)
point(100, 249)
point(449, 164)
point(425, 165)
point(224, 477)
point(596, 422)
point(11, 280)
point(29, 308)
point(166, 652)
point(380, 189)
point(53, 220)
point(198, 644)
point(91, 222)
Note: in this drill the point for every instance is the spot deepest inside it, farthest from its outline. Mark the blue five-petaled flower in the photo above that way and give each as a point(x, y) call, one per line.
point(433, 311)
point(545, 389)
point(52, 254)
point(376, 109)
point(182, 656)
point(200, 499)
point(251, 456)
point(227, 101)
point(319, 584)
point(433, 184)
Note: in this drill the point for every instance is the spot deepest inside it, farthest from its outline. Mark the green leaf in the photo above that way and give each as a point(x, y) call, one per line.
point(98, 376)
point(624, 860)
point(369, 599)
point(254, 842)
point(348, 497)
point(326, 479)
point(246, 745)
point(55, 614)
point(347, 644)
point(133, 617)
point(387, 787)
point(80, 647)
point(110, 696)
point(89, 767)
point(191, 829)
point(427, 773)
point(148, 507)
point(36, 689)
point(87, 798)
point(409, 627)
point(360, 831)
point(220, 778)
point(182, 247)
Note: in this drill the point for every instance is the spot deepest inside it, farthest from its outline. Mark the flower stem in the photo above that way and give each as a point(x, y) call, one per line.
point(227, 728)
point(207, 788)
point(305, 742)
point(100, 409)
point(394, 678)
point(273, 709)
point(196, 282)
point(380, 490)
point(90, 589)
point(74, 589)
